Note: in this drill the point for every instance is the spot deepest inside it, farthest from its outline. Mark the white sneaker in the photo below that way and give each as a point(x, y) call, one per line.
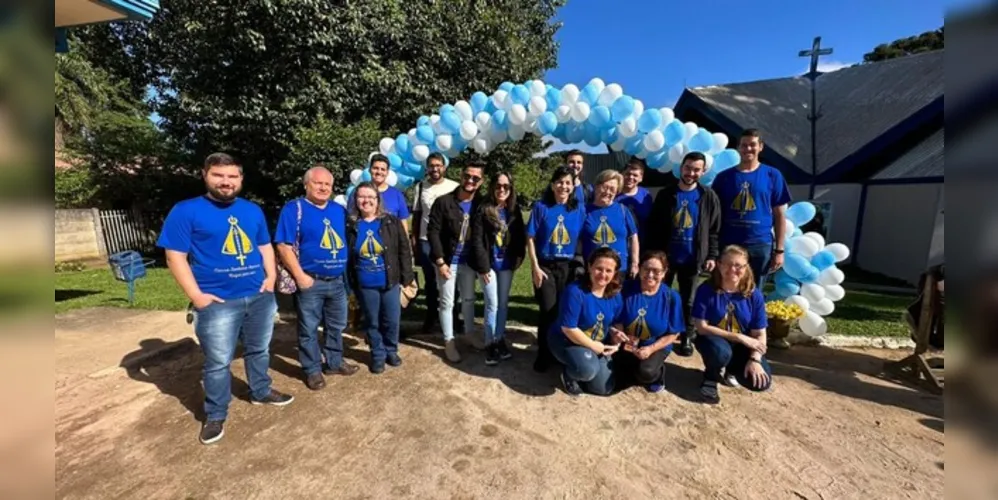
point(730, 380)
point(450, 350)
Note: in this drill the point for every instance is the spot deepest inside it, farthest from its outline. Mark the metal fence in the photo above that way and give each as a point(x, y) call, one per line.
point(127, 230)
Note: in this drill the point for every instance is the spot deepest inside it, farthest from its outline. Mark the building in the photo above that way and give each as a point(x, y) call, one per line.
point(71, 13)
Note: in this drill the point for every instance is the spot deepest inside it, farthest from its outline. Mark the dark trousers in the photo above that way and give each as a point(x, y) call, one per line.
point(760, 256)
point(718, 353)
point(688, 274)
point(559, 274)
point(630, 369)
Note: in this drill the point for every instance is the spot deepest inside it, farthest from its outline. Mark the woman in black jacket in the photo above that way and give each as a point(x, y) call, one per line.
point(380, 261)
point(498, 245)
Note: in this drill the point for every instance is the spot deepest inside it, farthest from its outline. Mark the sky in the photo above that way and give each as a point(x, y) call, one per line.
point(656, 48)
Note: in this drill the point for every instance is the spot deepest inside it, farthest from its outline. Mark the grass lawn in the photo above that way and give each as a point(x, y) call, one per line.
point(859, 313)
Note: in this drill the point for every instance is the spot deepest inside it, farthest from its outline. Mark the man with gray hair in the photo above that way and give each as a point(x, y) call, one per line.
point(311, 241)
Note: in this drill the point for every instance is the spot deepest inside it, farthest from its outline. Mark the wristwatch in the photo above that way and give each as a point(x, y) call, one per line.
point(778, 250)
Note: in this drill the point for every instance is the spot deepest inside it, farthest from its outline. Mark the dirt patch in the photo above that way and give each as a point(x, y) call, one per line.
point(829, 429)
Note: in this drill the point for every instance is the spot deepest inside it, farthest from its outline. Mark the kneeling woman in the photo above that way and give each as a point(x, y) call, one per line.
point(581, 339)
point(652, 318)
point(380, 261)
point(729, 313)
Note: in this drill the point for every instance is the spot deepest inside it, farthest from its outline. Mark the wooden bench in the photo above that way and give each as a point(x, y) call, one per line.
point(921, 366)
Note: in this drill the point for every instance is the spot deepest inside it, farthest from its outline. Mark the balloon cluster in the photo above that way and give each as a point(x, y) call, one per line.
point(595, 114)
point(809, 277)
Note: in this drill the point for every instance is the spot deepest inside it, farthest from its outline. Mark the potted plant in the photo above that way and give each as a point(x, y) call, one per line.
point(781, 317)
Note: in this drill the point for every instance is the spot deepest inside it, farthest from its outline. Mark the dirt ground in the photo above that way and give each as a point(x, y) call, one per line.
point(830, 428)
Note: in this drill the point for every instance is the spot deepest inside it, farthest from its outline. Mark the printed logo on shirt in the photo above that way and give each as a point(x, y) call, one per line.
point(604, 234)
point(464, 229)
point(371, 249)
point(237, 243)
point(639, 327)
point(502, 235)
point(330, 240)
point(744, 203)
point(729, 323)
point(597, 332)
point(559, 236)
point(682, 220)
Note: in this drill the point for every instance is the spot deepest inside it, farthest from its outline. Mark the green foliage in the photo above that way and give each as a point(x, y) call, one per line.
point(340, 148)
point(83, 93)
point(530, 182)
point(73, 266)
point(75, 188)
point(925, 42)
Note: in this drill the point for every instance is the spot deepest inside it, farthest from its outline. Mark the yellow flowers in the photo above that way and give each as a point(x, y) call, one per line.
point(777, 309)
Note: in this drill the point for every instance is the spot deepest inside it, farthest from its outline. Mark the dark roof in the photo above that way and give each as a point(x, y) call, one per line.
point(859, 106)
point(595, 163)
point(922, 161)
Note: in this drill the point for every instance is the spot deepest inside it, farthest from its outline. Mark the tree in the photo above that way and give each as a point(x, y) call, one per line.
point(83, 92)
point(928, 41)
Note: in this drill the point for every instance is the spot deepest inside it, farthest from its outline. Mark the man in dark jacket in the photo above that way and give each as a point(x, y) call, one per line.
point(688, 215)
point(449, 234)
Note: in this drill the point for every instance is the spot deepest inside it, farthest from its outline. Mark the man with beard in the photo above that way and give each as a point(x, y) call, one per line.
point(688, 218)
point(229, 279)
point(311, 240)
point(434, 186)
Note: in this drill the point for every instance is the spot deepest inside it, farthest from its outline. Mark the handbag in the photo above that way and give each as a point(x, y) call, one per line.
point(285, 282)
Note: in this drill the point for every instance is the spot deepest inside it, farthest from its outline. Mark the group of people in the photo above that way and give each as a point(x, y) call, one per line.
point(603, 259)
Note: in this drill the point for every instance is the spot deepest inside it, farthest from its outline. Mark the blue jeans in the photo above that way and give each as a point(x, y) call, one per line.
point(463, 277)
point(218, 327)
point(497, 304)
point(718, 353)
point(382, 312)
point(326, 303)
point(760, 255)
point(594, 373)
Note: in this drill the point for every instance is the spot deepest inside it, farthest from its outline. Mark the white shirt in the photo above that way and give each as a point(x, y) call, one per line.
point(428, 193)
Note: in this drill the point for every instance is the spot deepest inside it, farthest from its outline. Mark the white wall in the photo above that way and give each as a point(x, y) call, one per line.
point(845, 208)
point(898, 229)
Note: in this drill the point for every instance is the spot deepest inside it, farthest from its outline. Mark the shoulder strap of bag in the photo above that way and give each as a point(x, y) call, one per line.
point(298, 229)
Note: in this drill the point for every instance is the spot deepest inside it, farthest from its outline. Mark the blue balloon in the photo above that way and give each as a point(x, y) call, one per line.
point(350, 191)
point(600, 116)
point(674, 133)
point(490, 107)
point(425, 133)
point(811, 275)
point(451, 122)
point(444, 109)
point(650, 120)
point(499, 120)
point(589, 94)
point(622, 108)
point(507, 86)
point(366, 175)
point(609, 135)
point(787, 289)
point(394, 161)
point(823, 260)
point(560, 132)
point(591, 134)
point(409, 168)
point(708, 178)
point(404, 181)
point(574, 133)
point(801, 213)
point(658, 160)
point(553, 98)
point(547, 122)
point(796, 266)
point(725, 160)
point(677, 171)
point(701, 141)
point(423, 120)
point(478, 102)
point(797, 232)
point(634, 144)
point(402, 145)
point(520, 95)
point(781, 276)
point(459, 144)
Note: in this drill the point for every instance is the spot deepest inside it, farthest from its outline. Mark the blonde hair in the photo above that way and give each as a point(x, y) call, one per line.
point(610, 175)
point(747, 284)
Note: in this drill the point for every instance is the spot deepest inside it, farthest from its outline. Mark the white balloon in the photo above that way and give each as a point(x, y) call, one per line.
point(393, 178)
point(618, 145)
point(355, 176)
point(569, 94)
point(499, 99)
point(840, 251)
point(517, 114)
point(516, 132)
point(720, 143)
point(823, 307)
point(537, 105)
point(628, 127)
point(676, 153)
point(563, 113)
point(437, 125)
point(480, 145)
point(813, 293)
point(813, 325)
point(483, 120)
point(689, 130)
point(804, 246)
point(444, 141)
point(641, 154)
point(420, 152)
point(598, 84)
point(834, 293)
point(530, 125)
point(708, 163)
point(639, 107)
point(654, 141)
point(609, 94)
point(497, 136)
point(799, 301)
point(387, 145)
point(468, 130)
point(818, 238)
point(538, 88)
point(580, 112)
point(463, 110)
point(667, 115)
point(788, 227)
point(831, 276)
point(340, 200)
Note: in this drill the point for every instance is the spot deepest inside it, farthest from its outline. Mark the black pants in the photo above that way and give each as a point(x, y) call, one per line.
point(687, 275)
point(631, 370)
point(559, 274)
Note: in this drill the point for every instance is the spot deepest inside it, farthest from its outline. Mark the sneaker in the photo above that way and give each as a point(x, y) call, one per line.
point(504, 353)
point(572, 387)
point(377, 368)
point(730, 380)
point(655, 387)
point(450, 350)
point(212, 431)
point(394, 360)
point(345, 369)
point(709, 392)
point(492, 355)
point(275, 399)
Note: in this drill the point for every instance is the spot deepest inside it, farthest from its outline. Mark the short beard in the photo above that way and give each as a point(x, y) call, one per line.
point(218, 196)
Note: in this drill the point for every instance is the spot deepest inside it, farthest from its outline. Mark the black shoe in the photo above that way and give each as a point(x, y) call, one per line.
point(212, 431)
point(377, 368)
point(394, 360)
point(275, 399)
point(504, 353)
point(315, 381)
point(492, 355)
point(572, 388)
point(345, 369)
point(709, 392)
point(685, 345)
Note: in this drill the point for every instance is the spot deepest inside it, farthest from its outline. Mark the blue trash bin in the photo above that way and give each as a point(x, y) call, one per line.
point(127, 266)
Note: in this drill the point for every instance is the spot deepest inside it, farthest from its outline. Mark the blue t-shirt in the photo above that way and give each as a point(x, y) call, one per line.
point(651, 317)
point(589, 313)
point(222, 241)
point(747, 202)
point(731, 312)
point(499, 261)
point(393, 203)
point(684, 224)
point(555, 230)
point(461, 251)
point(610, 226)
point(322, 240)
point(370, 255)
point(640, 204)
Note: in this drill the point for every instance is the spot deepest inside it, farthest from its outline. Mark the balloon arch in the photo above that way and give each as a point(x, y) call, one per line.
point(603, 114)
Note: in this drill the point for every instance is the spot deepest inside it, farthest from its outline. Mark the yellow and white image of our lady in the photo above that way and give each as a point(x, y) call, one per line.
point(682, 220)
point(371, 249)
point(237, 243)
point(330, 240)
point(559, 236)
point(639, 327)
point(597, 332)
point(501, 237)
point(604, 235)
point(729, 323)
point(744, 202)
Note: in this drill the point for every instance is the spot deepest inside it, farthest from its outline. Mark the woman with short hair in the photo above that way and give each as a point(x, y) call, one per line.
point(609, 224)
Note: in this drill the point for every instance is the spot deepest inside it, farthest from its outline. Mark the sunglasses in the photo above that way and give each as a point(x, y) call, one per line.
point(503, 187)
point(472, 178)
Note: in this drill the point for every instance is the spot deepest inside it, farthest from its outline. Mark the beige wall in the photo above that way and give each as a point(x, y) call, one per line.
point(845, 208)
point(76, 235)
point(899, 228)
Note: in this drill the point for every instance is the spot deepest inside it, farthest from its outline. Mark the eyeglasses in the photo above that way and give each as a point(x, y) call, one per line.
point(503, 187)
point(736, 267)
point(472, 178)
point(654, 271)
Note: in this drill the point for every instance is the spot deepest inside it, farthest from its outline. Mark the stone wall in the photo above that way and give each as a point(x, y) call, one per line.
point(77, 235)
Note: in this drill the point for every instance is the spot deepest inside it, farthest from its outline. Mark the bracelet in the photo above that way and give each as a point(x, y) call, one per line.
point(755, 360)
